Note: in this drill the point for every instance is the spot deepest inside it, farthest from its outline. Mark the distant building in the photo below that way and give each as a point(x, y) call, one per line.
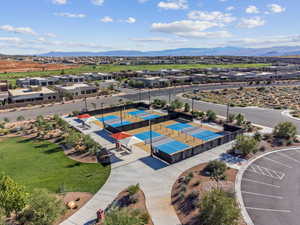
point(32, 94)
point(76, 89)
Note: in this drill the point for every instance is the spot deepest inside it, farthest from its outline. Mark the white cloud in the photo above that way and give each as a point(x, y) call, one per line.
point(107, 19)
point(60, 2)
point(252, 9)
point(275, 8)
point(70, 15)
point(130, 20)
point(21, 30)
point(50, 35)
point(10, 39)
point(173, 4)
point(97, 2)
point(190, 29)
point(215, 16)
point(252, 22)
point(230, 8)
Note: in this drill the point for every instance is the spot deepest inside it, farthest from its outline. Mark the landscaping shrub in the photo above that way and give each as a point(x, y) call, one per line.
point(133, 189)
point(216, 169)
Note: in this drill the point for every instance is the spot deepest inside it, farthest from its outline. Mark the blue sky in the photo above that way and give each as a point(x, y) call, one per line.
point(38, 26)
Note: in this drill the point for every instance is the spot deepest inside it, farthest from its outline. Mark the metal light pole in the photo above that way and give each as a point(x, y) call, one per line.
point(86, 107)
point(151, 148)
point(227, 119)
point(193, 104)
point(149, 93)
point(140, 97)
point(102, 113)
point(169, 96)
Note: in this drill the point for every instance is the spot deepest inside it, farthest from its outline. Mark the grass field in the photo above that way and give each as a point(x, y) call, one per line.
point(44, 165)
point(117, 68)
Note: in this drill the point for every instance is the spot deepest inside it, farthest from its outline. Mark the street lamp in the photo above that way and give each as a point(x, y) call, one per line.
point(227, 114)
point(86, 107)
point(193, 99)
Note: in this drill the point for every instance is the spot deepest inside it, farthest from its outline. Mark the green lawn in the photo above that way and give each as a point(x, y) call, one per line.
point(43, 165)
point(117, 68)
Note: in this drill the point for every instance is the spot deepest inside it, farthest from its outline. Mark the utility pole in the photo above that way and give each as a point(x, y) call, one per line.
point(169, 96)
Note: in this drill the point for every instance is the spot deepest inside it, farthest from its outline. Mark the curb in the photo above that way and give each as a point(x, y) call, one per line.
point(238, 183)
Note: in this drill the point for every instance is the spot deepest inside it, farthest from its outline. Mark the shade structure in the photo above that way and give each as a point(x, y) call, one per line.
point(121, 135)
point(84, 116)
point(130, 141)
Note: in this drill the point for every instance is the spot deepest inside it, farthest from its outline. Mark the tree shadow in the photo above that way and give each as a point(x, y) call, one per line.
point(45, 145)
point(54, 150)
point(27, 140)
point(76, 164)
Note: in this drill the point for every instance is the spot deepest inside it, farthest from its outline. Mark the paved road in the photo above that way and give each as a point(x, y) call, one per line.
point(266, 117)
point(270, 189)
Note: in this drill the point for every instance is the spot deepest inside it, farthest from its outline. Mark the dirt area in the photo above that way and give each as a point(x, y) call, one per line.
point(186, 209)
point(80, 198)
point(83, 157)
point(268, 97)
point(122, 200)
point(10, 66)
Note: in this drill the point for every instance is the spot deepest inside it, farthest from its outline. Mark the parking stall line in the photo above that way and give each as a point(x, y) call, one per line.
point(263, 183)
point(279, 163)
point(266, 172)
point(288, 157)
point(269, 210)
point(263, 195)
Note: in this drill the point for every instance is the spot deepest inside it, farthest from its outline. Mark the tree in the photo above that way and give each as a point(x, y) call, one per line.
point(218, 208)
point(246, 145)
point(285, 130)
point(216, 170)
point(240, 119)
point(187, 107)
point(12, 195)
point(20, 118)
point(211, 115)
point(257, 136)
point(6, 120)
point(176, 104)
point(125, 217)
point(231, 118)
point(43, 208)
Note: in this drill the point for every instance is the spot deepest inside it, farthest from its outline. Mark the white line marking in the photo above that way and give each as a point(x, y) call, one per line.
point(279, 163)
point(270, 210)
point(258, 194)
point(288, 157)
point(258, 182)
point(260, 170)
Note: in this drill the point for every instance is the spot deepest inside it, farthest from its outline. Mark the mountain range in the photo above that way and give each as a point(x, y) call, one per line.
point(220, 51)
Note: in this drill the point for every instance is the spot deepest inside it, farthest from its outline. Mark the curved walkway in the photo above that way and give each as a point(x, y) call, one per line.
point(156, 180)
point(274, 172)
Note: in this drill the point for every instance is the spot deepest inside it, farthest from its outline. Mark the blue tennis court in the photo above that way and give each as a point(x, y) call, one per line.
point(146, 135)
point(137, 112)
point(150, 116)
point(172, 147)
point(179, 126)
point(206, 135)
point(120, 124)
point(105, 118)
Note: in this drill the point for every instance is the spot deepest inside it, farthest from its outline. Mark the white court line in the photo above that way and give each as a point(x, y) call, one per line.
point(258, 182)
point(258, 194)
point(270, 210)
point(288, 157)
point(279, 163)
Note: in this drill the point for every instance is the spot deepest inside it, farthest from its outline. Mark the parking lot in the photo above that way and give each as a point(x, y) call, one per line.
point(271, 189)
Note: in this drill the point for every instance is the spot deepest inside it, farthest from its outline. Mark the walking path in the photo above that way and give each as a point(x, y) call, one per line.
point(154, 177)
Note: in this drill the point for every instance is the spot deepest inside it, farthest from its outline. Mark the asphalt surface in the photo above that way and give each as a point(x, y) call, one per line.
point(266, 117)
point(271, 189)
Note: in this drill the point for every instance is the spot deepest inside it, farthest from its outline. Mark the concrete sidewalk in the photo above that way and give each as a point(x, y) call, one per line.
point(156, 180)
